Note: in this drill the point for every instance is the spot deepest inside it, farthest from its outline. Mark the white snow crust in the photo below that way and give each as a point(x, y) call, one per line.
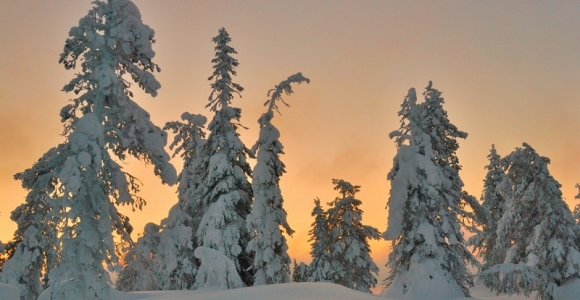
point(216, 270)
point(424, 280)
point(307, 291)
point(9, 292)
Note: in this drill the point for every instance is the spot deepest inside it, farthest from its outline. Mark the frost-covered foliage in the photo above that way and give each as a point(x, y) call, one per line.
point(141, 265)
point(78, 181)
point(112, 43)
point(177, 264)
point(444, 137)
point(536, 231)
point(32, 252)
point(423, 223)
point(320, 269)
point(24, 269)
point(577, 218)
point(267, 221)
point(188, 142)
point(300, 272)
point(87, 217)
point(349, 240)
point(493, 206)
point(216, 270)
point(226, 194)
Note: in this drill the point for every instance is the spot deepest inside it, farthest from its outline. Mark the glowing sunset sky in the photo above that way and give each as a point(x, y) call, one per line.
point(509, 72)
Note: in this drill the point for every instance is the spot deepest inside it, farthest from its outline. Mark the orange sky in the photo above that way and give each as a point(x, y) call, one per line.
point(509, 72)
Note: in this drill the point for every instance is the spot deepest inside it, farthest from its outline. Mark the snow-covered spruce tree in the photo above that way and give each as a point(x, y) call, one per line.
point(349, 239)
point(267, 221)
point(112, 43)
point(320, 269)
point(3, 256)
point(226, 193)
point(428, 257)
point(577, 218)
point(177, 263)
point(24, 269)
point(536, 232)
point(189, 142)
point(141, 265)
point(31, 253)
point(300, 272)
point(493, 205)
point(88, 181)
point(444, 137)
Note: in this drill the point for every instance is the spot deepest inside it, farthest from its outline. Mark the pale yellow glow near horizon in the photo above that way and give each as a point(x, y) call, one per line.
point(509, 72)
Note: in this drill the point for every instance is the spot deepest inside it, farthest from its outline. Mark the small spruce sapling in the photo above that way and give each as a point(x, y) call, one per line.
point(349, 243)
point(141, 264)
point(300, 272)
point(320, 267)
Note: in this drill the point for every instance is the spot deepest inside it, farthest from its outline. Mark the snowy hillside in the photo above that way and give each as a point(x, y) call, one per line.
point(289, 291)
point(312, 291)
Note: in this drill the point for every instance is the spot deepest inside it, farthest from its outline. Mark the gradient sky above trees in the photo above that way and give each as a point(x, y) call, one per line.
point(509, 72)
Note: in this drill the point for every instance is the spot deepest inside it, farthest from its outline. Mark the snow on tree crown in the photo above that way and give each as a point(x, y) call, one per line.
point(224, 67)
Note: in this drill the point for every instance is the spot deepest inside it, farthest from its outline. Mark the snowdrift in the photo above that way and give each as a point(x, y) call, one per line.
point(303, 291)
point(424, 280)
point(9, 292)
point(288, 291)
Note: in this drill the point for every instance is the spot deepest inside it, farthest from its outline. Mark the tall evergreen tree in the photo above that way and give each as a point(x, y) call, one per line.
point(577, 218)
point(428, 247)
point(267, 221)
point(189, 143)
point(177, 263)
point(349, 239)
point(84, 182)
point(320, 268)
point(87, 218)
point(444, 137)
point(536, 231)
point(32, 253)
point(226, 194)
point(493, 206)
point(112, 43)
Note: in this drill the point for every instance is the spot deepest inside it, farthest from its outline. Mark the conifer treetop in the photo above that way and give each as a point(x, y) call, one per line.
point(223, 89)
point(283, 87)
point(345, 188)
point(268, 133)
point(188, 134)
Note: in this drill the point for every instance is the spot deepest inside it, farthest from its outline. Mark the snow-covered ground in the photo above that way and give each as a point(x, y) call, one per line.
point(299, 291)
point(289, 291)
